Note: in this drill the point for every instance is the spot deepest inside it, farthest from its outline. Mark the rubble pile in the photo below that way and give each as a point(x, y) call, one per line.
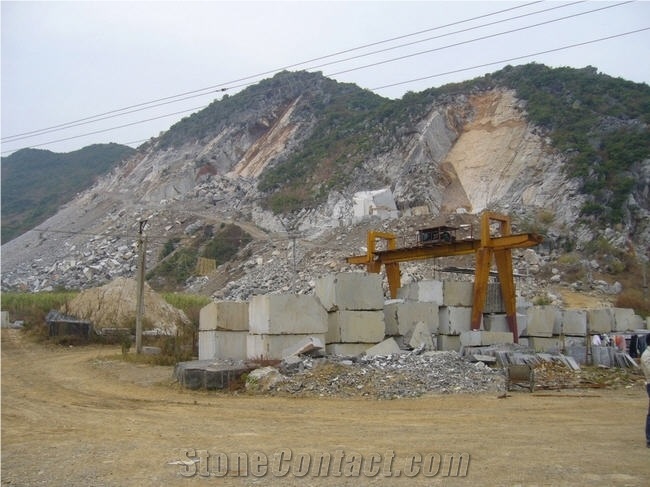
point(394, 376)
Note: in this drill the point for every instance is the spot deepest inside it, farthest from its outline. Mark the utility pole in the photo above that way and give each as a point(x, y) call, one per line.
point(142, 244)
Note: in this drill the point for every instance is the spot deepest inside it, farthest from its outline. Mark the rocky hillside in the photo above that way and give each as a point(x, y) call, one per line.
point(285, 158)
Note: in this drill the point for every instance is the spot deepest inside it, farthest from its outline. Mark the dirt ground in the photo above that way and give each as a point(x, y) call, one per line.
point(81, 417)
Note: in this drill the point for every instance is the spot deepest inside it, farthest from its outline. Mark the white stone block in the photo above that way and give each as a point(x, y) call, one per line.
point(545, 344)
point(600, 320)
point(543, 321)
point(350, 291)
point(390, 317)
point(624, 319)
point(217, 344)
point(448, 343)
point(458, 293)
point(387, 347)
point(574, 322)
point(347, 349)
point(429, 291)
point(495, 322)
point(410, 313)
point(270, 347)
point(355, 327)
point(224, 315)
point(285, 314)
point(420, 335)
point(478, 338)
point(454, 320)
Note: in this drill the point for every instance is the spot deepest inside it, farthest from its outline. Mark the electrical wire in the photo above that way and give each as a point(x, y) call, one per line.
point(221, 86)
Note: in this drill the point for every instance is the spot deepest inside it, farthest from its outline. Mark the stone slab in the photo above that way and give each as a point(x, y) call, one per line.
point(202, 374)
point(270, 347)
point(420, 335)
point(600, 320)
point(354, 291)
point(409, 313)
point(458, 293)
point(355, 327)
point(479, 338)
point(306, 345)
point(427, 291)
point(221, 344)
point(454, 320)
point(574, 322)
point(286, 314)
point(224, 315)
point(387, 347)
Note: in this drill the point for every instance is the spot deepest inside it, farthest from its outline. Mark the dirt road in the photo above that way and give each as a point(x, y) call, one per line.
point(80, 417)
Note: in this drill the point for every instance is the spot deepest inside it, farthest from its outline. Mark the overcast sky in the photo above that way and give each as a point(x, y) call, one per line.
point(64, 62)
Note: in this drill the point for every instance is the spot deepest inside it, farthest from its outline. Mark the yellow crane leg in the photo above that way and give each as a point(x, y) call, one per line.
point(394, 280)
point(483, 257)
point(503, 260)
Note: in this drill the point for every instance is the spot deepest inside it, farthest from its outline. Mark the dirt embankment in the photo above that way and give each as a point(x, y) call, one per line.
point(80, 416)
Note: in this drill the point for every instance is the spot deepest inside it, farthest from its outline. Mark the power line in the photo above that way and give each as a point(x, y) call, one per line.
point(220, 86)
point(490, 36)
point(365, 66)
point(514, 58)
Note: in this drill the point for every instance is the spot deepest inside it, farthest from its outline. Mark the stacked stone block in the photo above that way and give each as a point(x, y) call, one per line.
point(281, 321)
point(223, 330)
point(354, 303)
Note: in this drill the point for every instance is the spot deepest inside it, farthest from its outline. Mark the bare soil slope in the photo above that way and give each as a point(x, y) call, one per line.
point(80, 416)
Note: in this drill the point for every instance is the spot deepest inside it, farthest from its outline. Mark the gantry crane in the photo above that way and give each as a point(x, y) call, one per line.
point(441, 242)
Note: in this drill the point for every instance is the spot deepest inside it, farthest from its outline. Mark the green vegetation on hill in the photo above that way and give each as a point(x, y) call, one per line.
point(599, 121)
point(35, 183)
point(177, 262)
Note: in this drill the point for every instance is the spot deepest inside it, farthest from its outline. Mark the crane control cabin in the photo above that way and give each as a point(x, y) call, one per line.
point(443, 242)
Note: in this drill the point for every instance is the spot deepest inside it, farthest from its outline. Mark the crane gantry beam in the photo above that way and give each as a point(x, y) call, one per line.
point(500, 246)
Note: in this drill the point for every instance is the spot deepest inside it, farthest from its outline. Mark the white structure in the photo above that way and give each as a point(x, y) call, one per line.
point(374, 203)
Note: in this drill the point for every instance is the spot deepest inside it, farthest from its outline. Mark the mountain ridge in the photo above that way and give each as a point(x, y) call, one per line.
point(289, 153)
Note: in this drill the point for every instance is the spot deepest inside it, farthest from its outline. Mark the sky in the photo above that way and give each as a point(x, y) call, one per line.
point(72, 71)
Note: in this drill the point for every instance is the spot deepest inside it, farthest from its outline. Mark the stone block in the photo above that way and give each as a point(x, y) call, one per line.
point(270, 347)
point(624, 319)
point(221, 344)
point(495, 322)
point(307, 345)
point(545, 344)
point(387, 347)
point(543, 321)
point(454, 320)
point(420, 335)
point(429, 291)
point(355, 327)
point(390, 317)
point(354, 291)
point(478, 338)
point(347, 349)
point(286, 314)
point(600, 320)
point(410, 313)
point(574, 322)
point(448, 343)
point(494, 299)
point(458, 293)
point(224, 315)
